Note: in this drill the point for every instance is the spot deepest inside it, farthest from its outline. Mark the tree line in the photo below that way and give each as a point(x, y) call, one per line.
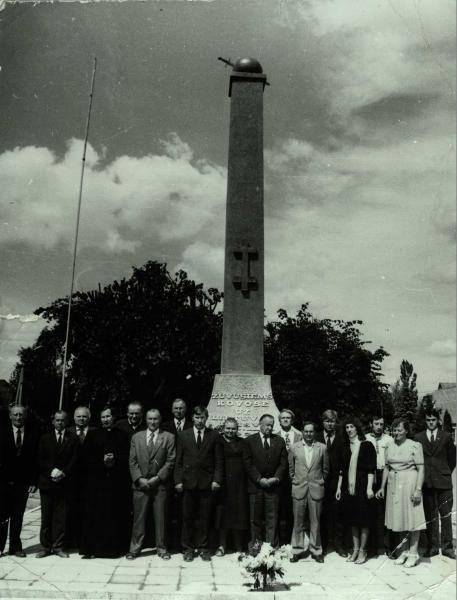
point(155, 336)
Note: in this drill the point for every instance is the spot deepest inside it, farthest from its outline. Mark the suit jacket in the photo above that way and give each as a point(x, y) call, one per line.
point(335, 453)
point(197, 469)
point(439, 459)
point(171, 427)
point(157, 462)
point(50, 456)
point(19, 467)
point(124, 425)
point(260, 463)
point(308, 478)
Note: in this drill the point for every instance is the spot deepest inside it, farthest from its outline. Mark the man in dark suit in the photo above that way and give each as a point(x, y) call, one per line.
point(198, 474)
point(79, 480)
point(152, 458)
point(134, 421)
point(265, 458)
point(57, 456)
point(18, 475)
point(179, 422)
point(439, 462)
point(331, 519)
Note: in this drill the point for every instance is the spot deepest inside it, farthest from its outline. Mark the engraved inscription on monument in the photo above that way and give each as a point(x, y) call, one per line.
point(245, 397)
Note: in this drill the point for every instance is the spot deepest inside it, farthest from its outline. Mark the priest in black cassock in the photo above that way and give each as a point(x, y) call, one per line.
point(105, 525)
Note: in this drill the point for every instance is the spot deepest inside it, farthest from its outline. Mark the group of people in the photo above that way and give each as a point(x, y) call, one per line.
point(125, 485)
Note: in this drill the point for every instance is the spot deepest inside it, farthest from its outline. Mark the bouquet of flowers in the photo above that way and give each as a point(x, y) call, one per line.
point(264, 563)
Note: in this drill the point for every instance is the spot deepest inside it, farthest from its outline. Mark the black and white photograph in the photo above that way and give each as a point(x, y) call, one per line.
point(228, 299)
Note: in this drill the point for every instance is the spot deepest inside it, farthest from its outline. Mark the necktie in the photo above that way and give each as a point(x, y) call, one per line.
point(81, 435)
point(151, 441)
point(329, 442)
point(287, 440)
point(19, 440)
point(432, 437)
point(178, 425)
point(199, 440)
point(266, 445)
point(59, 439)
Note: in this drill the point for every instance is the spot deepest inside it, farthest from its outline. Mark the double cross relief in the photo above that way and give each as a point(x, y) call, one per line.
point(245, 282)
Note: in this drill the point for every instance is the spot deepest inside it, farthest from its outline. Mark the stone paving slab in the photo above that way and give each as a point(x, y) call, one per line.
point(220, 579)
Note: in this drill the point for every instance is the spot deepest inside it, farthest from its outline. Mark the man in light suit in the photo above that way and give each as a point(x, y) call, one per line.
point(265, 459)
point(291, 436)
point(439, 462)
point(152, 458)
point(308, 469)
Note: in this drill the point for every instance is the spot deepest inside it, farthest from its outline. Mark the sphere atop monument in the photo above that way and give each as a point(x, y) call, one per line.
point(248, 65)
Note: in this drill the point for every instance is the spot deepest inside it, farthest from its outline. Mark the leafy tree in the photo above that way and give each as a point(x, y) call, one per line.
point(404, 393)
point(317, 364)
point(146, 338)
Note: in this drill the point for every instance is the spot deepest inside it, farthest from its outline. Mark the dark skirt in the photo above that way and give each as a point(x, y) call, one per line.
point(232, 507)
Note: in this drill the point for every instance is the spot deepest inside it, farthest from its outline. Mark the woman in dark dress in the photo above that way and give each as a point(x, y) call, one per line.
point(106, 512)
point(232, 510)
point(355, 486)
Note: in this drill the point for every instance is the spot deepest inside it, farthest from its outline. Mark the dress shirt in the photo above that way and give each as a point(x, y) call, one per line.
point(179, 424)
point(202, 433)
point(152, 434)
point(287, 435)
point(308, 452)
point(381, 444)
point(57, 433)
point(429, 434)
point(15, 430)
point(81, 430)
point(327, 436)
point(263, 438)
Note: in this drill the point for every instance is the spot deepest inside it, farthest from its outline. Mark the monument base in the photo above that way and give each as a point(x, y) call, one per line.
point(243, 396)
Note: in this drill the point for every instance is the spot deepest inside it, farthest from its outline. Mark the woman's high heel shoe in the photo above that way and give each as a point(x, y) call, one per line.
point(401, 559)
point(361, 558)
point(220, 551)
point(353, 556)
point(412, 561)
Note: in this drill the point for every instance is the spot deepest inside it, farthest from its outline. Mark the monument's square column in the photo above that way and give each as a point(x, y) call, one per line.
point(242, 389)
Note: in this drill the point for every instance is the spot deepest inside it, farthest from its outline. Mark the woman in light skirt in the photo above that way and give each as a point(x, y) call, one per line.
point(404, 476)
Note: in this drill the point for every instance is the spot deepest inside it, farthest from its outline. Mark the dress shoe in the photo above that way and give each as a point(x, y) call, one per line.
point(188, 556)
point(341, 552)
point(449, 553)
point(62, 554)
point(130, 556)
point(401, 559)
point(20, 554)
point(294, 558)
point(431, 552)
point(164, 555)
point(352, 556)
point(220, 551)
point(205, 555)
point(318, 558)
point(43, 554)
point(361, 557)
point(87, 556)
point(412, 560)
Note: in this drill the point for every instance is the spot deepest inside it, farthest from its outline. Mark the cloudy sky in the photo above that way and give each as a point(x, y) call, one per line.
point(359, 158)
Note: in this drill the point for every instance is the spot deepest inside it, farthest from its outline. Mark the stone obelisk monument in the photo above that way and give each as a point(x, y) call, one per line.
point(242, 390)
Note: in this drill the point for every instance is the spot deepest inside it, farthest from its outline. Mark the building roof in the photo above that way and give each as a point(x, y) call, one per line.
point(445, 397)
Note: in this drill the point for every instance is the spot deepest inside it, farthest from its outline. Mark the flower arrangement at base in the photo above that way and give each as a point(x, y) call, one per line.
point(264, 563)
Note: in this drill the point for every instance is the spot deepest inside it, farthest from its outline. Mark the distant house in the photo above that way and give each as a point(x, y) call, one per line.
point(445, 398)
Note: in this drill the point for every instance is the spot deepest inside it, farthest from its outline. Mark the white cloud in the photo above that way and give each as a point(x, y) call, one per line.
point(443, 347)
point(125, 203)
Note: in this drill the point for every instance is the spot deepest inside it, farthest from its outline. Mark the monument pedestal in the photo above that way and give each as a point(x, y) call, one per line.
point(244, 396)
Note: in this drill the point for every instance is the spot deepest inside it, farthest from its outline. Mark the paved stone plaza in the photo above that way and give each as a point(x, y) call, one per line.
point(150, 577)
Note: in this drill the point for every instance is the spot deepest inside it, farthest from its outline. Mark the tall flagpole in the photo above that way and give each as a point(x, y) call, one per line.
point(83, 165)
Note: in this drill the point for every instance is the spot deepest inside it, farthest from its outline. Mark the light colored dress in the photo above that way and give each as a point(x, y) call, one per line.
point(402, 460)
